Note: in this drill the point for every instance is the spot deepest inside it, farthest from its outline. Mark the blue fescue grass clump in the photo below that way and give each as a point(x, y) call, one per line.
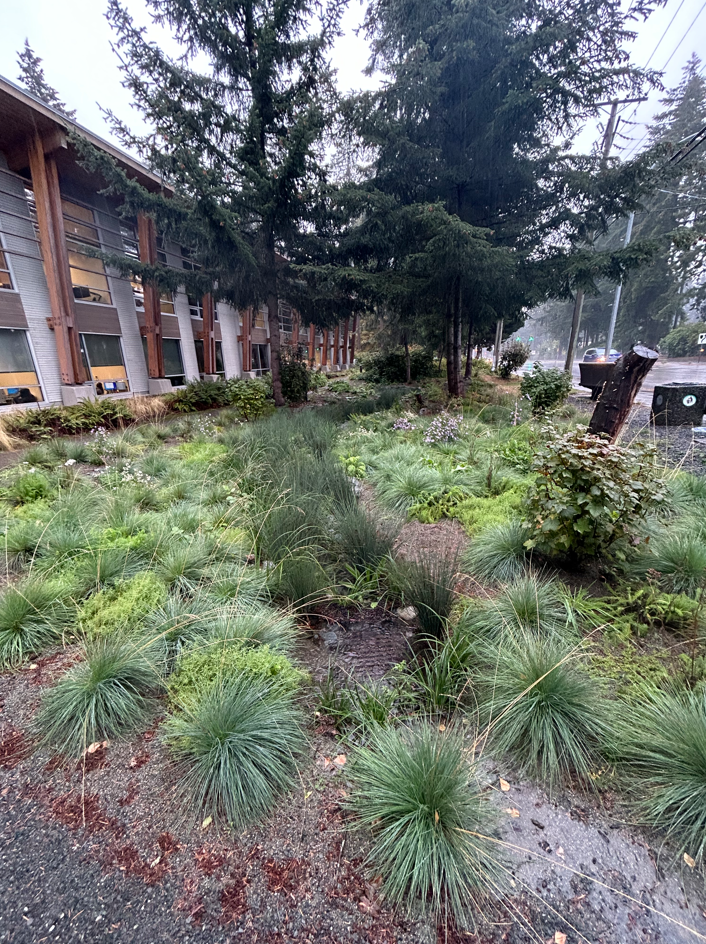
point(417, 792)
point(106, 695)
point(236, 749)
point(662, 748)
point(543, 710)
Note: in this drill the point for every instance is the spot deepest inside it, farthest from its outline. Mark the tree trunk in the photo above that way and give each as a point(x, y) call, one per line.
point(458, 340)
point(469, 351)
point(407, 359)
point(620, 391)
point(575, 326)
point(451, 375)
point(273, 322)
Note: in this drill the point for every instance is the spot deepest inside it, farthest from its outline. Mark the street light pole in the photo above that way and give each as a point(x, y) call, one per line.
point(618, 291)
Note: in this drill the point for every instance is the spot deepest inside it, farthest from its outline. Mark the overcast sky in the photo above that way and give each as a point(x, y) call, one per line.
point(73, 38)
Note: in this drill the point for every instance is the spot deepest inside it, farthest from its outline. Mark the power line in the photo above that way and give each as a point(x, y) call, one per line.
point(666, 30)
point(673, 53)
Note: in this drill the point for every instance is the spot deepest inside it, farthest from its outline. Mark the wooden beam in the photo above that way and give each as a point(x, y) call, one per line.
point(247, 339)
point(209, 334)
point(336, 344)
point(147, 239)
point(312, 344)
point(346, 325)
point(52, 237)
point(354, 336)
point(324, 349)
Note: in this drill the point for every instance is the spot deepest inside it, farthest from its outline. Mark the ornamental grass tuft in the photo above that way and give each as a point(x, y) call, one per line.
point(108, 694)
point(498, 552)
point(662, 745)
point(543, 710)
point(33, 616)
point(236, 749)
point(417, 792)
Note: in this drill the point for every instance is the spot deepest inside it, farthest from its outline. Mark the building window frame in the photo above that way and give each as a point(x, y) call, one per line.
point(6, 268)
point(80, 232)
point(105, 386)
point(30, 386)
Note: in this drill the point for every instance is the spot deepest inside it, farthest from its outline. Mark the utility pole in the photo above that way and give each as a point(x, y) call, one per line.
point(608, 138)
point(618, 290)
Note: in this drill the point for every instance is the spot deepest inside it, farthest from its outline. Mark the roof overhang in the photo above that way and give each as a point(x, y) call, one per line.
point(21, 115)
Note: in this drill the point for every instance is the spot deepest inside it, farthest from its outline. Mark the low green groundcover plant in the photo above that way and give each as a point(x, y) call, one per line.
point(589, 493)
point(123, 607)
point(106, 695)
point(418, 793)
point(478, 513)
point(211, 663)
point(543, 710)
point(236, 749)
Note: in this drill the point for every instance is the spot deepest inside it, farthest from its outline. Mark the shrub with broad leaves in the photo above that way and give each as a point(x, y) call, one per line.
point(513, 356)
point(589, 493)
point(545, 389)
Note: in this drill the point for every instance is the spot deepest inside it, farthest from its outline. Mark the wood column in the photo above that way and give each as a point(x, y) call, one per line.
point(52, 237)
point(324, 349)
point(312, 344)
point(209, 334)
point(247, 339)
point(353, 337)
point(336, 344)
point(147, 239)
point(346, 325)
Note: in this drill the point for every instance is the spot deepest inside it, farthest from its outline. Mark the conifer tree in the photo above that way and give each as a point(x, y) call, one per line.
point(32, 77)
point(479, 107)
point(239, 123)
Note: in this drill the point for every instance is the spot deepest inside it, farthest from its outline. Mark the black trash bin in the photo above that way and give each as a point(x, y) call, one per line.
point(679, 404)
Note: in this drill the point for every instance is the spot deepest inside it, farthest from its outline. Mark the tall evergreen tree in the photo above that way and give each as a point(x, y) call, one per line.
point(32, 77)
point(239, 123)
point(478, 111)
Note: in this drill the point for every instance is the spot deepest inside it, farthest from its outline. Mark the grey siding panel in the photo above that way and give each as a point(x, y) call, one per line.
point(12, 314)
point(230, 329)
point(28, 274)
point(188, 350)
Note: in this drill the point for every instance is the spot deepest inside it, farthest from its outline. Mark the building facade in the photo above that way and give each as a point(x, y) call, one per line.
point(72, 328)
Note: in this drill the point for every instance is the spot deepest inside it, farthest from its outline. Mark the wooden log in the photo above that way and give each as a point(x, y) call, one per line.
point(619, 393)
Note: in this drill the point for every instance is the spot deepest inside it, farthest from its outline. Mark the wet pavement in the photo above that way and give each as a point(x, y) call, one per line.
point(666, 370)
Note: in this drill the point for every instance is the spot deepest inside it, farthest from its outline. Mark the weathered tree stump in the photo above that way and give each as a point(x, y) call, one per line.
point(621, 389)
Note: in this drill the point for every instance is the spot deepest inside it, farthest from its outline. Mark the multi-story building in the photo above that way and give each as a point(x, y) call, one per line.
point(71, 327)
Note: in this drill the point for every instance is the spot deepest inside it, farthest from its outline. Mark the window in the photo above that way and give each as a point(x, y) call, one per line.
point(166, 299)
point(259, 317)
point(18, 376)
point(88, 277)
point(187, 260)
point(5, 277)
point(195, 306)
point(161, 250)
point(220, 366)
point(131, 244)
point(103, 358)
point(173, 364)
point(260, 358)
point(286, 318)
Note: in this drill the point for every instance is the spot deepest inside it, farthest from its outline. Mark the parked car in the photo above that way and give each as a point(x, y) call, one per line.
point(597, 355)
